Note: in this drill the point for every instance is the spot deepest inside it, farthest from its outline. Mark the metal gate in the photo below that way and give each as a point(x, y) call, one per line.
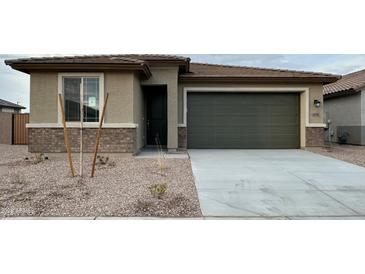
point(20, 132)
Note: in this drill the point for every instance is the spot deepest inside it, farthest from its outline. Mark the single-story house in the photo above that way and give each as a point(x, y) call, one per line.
point(345, 109)
point(9, 107)
point(167, 100)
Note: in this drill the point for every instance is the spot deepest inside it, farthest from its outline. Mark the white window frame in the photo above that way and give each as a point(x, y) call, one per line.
point(81, 75)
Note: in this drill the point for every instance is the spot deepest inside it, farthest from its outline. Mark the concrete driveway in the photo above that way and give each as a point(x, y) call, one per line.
point(277, 184)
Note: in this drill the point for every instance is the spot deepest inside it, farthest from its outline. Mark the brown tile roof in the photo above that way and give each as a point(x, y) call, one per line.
point(73, 59)
point(348, 84)
point(157, 57)
point(111, 58)
point(189, 71)
point(4, 103)
point(201, 70)
point(128, 61)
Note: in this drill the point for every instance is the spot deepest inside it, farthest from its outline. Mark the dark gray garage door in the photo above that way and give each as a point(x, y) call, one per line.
point(243, 120)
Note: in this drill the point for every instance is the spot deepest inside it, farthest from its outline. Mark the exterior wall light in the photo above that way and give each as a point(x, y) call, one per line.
point(317, 103)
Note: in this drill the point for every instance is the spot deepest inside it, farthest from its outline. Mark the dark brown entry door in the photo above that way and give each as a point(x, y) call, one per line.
point(156, 123)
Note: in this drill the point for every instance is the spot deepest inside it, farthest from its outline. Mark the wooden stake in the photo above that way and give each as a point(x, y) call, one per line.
point(65, 135)
point(81, 167)
point(98, 136)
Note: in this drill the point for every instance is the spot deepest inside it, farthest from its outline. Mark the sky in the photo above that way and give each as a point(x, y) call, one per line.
point(14, 85)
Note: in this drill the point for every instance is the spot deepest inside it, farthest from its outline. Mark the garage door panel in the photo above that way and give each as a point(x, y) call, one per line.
point(243, 120)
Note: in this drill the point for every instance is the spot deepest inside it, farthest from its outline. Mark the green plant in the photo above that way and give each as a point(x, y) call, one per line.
point(158, 190)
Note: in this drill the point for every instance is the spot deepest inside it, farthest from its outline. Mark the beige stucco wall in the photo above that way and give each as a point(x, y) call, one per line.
point(139, 111)
point(120, 103)
point(44, 101)
point(126, 103)
point(43, 97)
point(168, 76)
point(316, 114)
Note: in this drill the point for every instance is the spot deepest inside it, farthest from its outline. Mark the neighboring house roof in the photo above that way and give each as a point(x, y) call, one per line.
point(199, 71)
point(348, 84)
point(4, 103)
point(188, 72)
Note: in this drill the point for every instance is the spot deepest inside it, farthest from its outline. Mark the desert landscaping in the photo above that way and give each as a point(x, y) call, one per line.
point(348, 153)
point(41, 185)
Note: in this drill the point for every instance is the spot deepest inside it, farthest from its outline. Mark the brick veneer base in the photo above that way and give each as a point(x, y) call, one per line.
point(314, 137)
point(111, 140)
point(182, 138)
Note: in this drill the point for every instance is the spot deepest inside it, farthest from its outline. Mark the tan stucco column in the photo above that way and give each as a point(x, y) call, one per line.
point(172, 116)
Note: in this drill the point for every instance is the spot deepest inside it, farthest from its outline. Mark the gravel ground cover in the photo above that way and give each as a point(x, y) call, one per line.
point(119, 188)
point(347, 153)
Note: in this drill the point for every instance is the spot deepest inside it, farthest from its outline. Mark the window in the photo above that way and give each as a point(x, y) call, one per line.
point(72, 93)
point(87, 88)
point(91, 99)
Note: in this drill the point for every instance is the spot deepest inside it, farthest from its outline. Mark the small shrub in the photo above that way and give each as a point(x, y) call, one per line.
point(161, 155)
point(158, 190)
point(38, 158)
point(111, 164)
point(102, 160)
point(162, 163)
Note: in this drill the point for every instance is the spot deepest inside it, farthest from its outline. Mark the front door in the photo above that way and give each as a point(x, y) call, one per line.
point(156, 118)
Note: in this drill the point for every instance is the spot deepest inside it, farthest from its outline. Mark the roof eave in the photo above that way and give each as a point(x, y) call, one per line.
point(250, 79)
point(16, 107)
point(28, 67)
